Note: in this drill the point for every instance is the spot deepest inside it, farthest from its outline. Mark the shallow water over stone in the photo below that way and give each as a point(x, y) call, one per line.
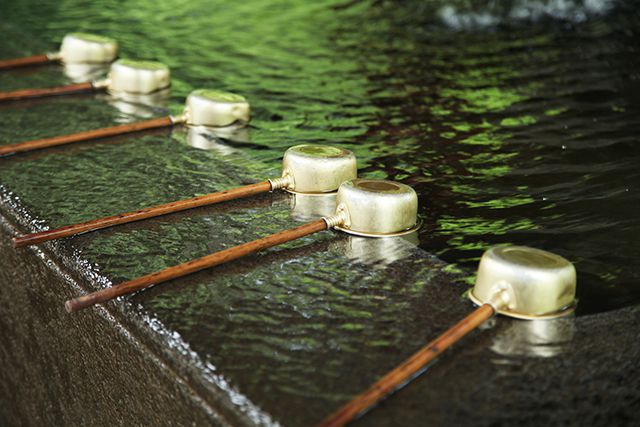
point(512, 130)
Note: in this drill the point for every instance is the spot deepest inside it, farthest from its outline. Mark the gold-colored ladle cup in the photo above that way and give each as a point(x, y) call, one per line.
point(525, 283)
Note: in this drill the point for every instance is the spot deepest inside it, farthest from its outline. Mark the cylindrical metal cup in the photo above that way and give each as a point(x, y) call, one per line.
point(87, 48)
point(539, 284)
point(207, 107)
point(377, 208)
point(138, 77)
point(317, 169)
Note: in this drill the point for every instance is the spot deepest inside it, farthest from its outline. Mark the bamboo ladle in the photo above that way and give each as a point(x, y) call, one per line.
point(203, 107)
point(365, 207)
point(75, 48)
point(516, 281)
point(308, 169)
point(125, 76)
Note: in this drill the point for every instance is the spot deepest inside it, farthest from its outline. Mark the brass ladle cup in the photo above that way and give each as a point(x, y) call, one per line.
point(76, 48)
point(125, 76)
point(516, 281)
point(365, 207)
point(306, 169)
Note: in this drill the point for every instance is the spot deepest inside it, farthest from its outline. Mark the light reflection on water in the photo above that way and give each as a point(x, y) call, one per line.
point(520, 133)
point(534, 338)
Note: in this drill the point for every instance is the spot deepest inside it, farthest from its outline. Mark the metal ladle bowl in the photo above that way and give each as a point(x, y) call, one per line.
point(377, 208)
point(531, 283)
point(315, 169)
point(128, 76)
point(215, 108)
point(87, 48)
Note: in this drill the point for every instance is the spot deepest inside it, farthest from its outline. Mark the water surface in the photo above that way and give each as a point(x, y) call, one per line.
point(515, 123)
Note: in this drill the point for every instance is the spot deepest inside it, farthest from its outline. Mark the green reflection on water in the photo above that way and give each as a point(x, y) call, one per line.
point(518, 121)
point(482, 226)
point(474, 121)
point(484, 100)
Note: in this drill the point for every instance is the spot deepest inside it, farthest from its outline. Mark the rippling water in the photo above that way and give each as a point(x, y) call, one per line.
point(515, 122)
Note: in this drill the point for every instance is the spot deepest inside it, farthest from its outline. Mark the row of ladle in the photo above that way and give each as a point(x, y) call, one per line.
point(516, 281)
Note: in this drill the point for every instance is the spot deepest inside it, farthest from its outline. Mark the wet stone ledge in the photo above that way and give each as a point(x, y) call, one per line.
point(285, 336)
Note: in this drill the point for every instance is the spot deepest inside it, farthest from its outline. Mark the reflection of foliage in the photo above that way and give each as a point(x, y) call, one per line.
point(483, 100)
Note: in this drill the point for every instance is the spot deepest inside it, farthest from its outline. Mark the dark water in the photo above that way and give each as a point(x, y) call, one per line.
point(515, 123)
